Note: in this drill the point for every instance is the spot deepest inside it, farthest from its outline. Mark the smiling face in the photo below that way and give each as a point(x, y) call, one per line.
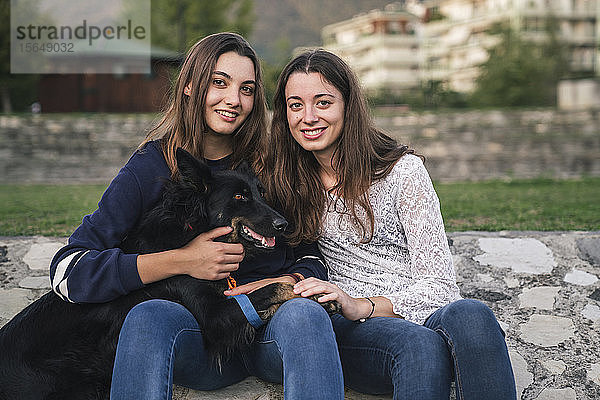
point(315, 113)
point(230, 95)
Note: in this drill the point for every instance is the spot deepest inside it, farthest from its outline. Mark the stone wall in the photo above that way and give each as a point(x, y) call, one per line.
point(478, 145)
point(63, 148)
point(467, 145)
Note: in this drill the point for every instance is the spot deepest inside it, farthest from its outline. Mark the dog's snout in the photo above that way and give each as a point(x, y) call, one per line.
point(279, 224)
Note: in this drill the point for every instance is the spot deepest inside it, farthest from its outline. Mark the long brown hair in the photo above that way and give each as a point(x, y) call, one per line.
point(183, 123)
point(363, 154)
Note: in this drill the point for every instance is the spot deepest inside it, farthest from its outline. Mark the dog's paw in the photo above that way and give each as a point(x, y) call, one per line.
point(266, 315)
point(332, 306)
point(267, 299)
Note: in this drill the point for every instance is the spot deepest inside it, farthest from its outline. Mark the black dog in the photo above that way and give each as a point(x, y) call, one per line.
point(59, 350)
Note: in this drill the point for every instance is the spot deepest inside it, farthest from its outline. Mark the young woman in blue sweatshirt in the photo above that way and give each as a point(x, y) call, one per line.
point(216, 112)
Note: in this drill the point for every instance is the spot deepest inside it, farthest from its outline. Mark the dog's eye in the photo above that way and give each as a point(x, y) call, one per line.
point(239, 196)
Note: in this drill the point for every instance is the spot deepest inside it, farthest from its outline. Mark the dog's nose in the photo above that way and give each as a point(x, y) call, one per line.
point(279, 224)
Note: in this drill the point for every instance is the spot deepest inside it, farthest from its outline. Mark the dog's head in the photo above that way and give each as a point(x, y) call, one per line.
point(229, 198)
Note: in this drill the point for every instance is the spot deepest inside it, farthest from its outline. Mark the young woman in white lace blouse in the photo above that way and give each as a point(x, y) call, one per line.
point(372, 207)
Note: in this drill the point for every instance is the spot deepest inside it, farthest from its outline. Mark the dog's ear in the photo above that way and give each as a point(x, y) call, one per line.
point(192, 169)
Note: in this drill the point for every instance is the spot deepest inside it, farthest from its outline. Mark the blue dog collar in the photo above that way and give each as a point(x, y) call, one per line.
point(248, 310)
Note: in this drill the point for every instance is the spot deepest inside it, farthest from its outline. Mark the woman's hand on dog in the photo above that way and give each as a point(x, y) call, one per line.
point(202, 258)
point(212, 260)
point(252, 286)
point(353, 308)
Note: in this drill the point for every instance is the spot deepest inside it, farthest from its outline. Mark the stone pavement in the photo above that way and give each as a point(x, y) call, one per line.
point(543, 286)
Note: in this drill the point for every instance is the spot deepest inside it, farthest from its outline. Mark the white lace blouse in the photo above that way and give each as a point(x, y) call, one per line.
point(408, 260)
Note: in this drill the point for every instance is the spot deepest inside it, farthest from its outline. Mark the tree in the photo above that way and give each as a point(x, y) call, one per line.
point(520, 72)
point(5, 56)
point(176, 24)
point(429, 95)
point(17, 91)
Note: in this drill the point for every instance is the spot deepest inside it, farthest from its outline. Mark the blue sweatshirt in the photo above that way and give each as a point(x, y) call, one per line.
point(92, 268)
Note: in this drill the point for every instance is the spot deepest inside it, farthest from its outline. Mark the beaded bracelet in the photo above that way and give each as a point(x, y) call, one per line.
point(361, 320)
point(297, 276)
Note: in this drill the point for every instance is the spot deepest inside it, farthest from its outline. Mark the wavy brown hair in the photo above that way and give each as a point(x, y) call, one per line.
point(183, 123)
point(363, 154)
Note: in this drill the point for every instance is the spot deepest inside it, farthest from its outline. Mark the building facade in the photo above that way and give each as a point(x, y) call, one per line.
point(382, 46)
point(413, 42)
point(120, 91)
point(458, 43)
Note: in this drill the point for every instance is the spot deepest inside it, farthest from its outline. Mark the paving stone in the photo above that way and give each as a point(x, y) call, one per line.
point(40, 255)
point(557, 394)
point(511, 283)
point(591, 311)
point(539, 297)
point(12, 301)
point(582, 278)
point(593, 374)
point(504, 325)
point(35, 282)
point(547, 330)
point(254, 389)
point(523, 378)
point(590, 249)
point(526, 255)
point(457, 260)
point(249, 389)
point(555, 367)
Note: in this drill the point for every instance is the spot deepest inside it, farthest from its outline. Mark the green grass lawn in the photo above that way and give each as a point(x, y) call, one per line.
point(49, 210)
point(538, 204)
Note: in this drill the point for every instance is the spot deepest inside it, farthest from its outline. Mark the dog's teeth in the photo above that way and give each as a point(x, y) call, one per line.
point(259, 240)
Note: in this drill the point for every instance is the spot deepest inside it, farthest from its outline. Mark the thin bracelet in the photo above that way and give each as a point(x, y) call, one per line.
point(361, 320)
point(297, 277)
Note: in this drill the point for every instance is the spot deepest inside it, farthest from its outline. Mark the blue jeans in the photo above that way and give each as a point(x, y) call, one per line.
point(461, 341)
point(160, 344)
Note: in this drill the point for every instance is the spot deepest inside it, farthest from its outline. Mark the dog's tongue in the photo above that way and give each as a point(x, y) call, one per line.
point(269, 241)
